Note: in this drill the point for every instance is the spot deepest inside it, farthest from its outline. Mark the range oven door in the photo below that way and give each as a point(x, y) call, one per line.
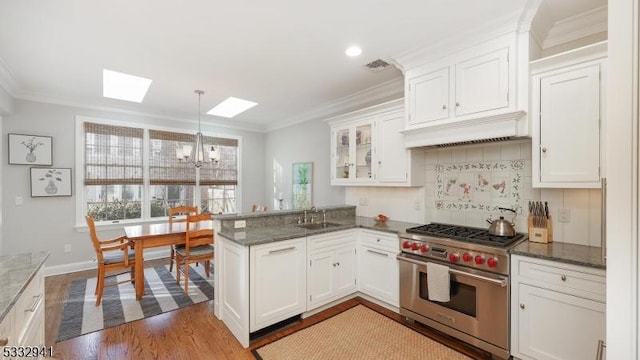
point(479, 304)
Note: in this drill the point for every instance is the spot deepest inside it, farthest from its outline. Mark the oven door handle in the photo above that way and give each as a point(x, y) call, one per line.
point(501, 282)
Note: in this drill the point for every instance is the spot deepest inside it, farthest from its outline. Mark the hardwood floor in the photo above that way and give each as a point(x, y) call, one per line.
point(189, 333)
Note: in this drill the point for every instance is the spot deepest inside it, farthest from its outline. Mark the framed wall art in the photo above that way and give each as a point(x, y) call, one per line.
point(47, 182)
point(30, 149)
point(302, 185)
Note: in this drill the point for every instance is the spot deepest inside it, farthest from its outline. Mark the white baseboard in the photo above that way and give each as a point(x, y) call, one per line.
point(91, 265)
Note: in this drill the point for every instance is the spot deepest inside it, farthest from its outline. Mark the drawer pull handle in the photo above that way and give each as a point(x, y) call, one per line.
point(377, 252)
point(281, 250)
point(563, 277)
point(522, 306)
point(378, 240)
point(4, 342)
point(35, 303)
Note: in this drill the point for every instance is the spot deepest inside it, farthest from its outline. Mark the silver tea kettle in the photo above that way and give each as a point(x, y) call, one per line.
point(502, 227)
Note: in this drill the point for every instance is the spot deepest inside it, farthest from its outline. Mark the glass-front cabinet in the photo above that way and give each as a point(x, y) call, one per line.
point(353, 152)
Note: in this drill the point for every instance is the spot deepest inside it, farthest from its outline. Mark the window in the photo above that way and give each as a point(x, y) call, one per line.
point(134, 174)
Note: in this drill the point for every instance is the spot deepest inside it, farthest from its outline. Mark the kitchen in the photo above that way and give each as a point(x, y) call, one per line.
point(262, 177)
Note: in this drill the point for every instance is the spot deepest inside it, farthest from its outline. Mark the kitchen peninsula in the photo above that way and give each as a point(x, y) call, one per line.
point(273, 266)
point(22, 299)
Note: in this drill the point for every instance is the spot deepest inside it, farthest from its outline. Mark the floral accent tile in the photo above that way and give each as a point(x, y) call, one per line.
point(481, 186)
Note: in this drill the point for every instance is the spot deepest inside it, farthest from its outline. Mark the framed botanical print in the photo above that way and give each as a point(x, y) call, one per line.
point(30, 149)
point(302, 185)
point(50, 182)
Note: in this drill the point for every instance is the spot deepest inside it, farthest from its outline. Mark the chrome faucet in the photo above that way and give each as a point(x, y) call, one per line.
point(304, 219)
point(324, 216)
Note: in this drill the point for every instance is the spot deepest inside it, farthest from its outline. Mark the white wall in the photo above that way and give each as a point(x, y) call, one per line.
point(48, 223)
point(6, 102)
point(419, 204)
point(304, 142)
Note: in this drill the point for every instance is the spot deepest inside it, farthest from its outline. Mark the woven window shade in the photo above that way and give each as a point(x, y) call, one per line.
point(164, 167)
point(113, 154)
point(226, 171)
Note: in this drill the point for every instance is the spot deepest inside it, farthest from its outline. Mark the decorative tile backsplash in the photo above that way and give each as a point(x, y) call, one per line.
point(479, 186)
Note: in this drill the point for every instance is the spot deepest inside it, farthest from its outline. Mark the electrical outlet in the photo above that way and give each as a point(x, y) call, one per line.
point(239, 224)
point(67, 248)
point(417, 205)
point(364, 201)
point(564, 215)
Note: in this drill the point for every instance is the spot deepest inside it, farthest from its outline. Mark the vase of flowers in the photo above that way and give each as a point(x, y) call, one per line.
point(52, 176)
point(31, 145)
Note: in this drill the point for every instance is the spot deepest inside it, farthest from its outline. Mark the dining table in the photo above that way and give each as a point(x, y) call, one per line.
point(145, 236)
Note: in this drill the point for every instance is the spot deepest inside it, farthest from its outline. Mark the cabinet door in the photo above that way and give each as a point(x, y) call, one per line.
point(429, 97)
point(393, 157)
point(556, 326)
point(482, 83)
point(570, 126)
point(378, 276)
point(320, 279)
point(7, 332)
point(341, 153)
point(363, 152)
point(278, 286)
point(344, 271)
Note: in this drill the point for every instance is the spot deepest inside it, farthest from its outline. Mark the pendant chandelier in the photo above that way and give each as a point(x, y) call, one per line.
point(198, 154)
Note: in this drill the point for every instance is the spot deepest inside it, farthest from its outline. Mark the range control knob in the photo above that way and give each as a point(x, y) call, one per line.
point(467, 257)
point(415, 246)
point(454, 257)
point(492, 262)
point(479, 259)
point(424, 248)
point(406, 245)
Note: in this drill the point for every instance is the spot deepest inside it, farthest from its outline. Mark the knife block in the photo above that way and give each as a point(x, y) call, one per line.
point(540, 234)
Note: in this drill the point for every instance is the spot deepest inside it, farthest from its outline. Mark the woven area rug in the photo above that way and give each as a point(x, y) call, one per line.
point(357, 333)
point(81, 316)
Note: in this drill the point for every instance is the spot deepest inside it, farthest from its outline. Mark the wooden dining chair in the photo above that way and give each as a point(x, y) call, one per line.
point(173, 213)
point(197, 248)
point(258, 208)
point(113, 254)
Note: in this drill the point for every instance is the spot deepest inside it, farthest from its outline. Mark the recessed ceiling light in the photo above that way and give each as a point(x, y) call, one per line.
point(231, 107)
point(353, 51)
point(117, 85)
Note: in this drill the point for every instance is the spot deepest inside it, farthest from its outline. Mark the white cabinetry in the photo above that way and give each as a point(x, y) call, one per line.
point(467, 95)
point(377, 266)
point(568, 111)
point(368, 148)
point(557, 310)
point(278, 281)
point(24, 323)
point(7, 336)
point(332, 267)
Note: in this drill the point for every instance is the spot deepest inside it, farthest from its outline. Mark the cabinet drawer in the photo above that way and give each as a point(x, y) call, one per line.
point(28, 304)
point(380, 240)
point(330, 241)
point(577, 280)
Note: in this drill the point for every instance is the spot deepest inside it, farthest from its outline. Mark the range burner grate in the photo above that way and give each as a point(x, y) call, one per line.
point(465, 234)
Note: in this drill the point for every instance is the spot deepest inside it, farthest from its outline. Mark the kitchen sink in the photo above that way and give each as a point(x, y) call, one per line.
point(318, 226)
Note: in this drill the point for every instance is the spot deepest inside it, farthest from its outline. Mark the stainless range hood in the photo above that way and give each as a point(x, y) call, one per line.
point(507, 126)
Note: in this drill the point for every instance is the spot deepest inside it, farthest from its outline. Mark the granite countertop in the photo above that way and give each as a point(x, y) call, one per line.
point(268, 234)
point(16, 272)
point(583, 255)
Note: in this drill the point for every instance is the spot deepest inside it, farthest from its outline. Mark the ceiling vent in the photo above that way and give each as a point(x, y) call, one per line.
point(377, 65)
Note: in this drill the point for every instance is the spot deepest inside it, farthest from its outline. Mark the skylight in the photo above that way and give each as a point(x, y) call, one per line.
point(117, 85)
point(231, 107)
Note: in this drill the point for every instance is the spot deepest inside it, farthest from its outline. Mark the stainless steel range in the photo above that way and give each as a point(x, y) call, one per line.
point(478, 266)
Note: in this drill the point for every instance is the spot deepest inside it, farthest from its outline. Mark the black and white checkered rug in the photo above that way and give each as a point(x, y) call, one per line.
point(119, 305)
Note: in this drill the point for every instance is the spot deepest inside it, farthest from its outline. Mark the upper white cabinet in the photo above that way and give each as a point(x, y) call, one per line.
point(368, 148)
point(474, 93)
point(482, 83)
point(568, 109)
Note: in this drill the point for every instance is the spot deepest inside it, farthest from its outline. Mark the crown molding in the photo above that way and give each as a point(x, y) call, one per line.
point(389, 90)
point(577, 27)
point(206, 120)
